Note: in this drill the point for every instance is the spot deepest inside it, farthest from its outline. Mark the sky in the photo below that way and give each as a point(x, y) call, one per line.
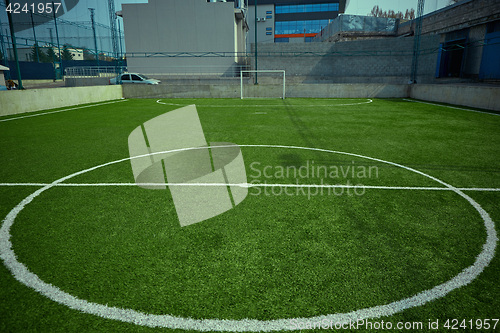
point(363, 7)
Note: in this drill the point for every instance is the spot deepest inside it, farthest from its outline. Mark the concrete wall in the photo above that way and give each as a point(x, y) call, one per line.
point(483, 97)
point(386, 60)
point(176, 26)
point(20, 101)
point(267, 91)
point(86, 81)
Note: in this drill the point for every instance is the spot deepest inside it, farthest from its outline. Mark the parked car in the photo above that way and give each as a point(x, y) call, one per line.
point(127, 78)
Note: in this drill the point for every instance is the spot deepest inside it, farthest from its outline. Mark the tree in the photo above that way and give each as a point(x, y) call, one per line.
point(378, 12)
point(41, 56)
point(66, 54)
point(52, 55)
point(88, 55)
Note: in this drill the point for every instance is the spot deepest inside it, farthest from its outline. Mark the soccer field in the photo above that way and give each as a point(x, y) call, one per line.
point(357, 209)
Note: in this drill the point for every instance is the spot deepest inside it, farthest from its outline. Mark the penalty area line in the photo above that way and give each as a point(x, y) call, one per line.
point(247, 185)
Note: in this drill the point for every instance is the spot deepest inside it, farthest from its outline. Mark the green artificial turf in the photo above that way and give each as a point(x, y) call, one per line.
point(300, 253)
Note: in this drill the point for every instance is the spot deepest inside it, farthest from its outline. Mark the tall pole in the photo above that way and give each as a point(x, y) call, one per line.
point(57, 37)
point(120, 39)
point(13, 38)
point(256, 67)
point(34, 36)
point(92, 10)
point(416, 43)
point(112, 26)
point(51, 37)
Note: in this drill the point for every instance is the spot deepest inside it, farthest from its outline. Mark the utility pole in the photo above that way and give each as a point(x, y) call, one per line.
point(92, 13)
point(13, 37)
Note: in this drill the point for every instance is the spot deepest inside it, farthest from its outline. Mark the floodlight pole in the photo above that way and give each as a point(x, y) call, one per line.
point(34, 36)
point(13, 38)
point(256, 67)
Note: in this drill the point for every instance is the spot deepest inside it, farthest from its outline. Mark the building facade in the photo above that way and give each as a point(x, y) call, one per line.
point(184, 36)
point(291, 21)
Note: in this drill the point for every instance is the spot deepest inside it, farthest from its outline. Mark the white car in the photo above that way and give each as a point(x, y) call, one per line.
point(127, 78)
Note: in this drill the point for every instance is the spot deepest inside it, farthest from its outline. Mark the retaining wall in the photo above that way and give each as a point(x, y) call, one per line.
point(20, 101)
point(12, 102)
point(483, 97)
point(478, 96)
point(267, 91)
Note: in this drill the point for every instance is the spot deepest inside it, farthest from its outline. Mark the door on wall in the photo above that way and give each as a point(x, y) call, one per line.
point(451, 58)
point(490, 63)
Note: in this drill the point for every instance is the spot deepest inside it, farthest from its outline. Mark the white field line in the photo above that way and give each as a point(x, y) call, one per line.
point(248, 185)
point(70, 109)
point(26, 277)
point(368, 101)
point(450, 107)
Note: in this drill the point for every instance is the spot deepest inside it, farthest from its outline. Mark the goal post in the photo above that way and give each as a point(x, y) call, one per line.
point(277, 73)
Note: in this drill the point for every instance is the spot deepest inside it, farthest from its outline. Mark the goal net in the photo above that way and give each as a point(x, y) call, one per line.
point(263, 84)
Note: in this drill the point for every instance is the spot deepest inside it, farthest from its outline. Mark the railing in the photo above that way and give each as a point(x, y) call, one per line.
point(94, 71)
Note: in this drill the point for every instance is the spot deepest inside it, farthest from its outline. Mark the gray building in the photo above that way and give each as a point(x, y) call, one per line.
point(184, 37)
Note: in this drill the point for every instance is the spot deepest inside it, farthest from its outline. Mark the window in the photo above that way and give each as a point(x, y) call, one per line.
point(269, 33)
point(269, 29)
point(300, 27)
point(269, 16)
point(281, 40)
point(125, 77)
point(135, 78)
point(309, 8)
point(269, 12)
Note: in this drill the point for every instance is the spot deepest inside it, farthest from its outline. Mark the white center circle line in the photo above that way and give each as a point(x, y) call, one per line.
point(23, 275)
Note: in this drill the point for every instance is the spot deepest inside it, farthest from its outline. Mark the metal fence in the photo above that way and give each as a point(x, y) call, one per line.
point(94, 71)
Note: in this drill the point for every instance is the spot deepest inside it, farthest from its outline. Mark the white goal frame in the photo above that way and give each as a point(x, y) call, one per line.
point(263, 71)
